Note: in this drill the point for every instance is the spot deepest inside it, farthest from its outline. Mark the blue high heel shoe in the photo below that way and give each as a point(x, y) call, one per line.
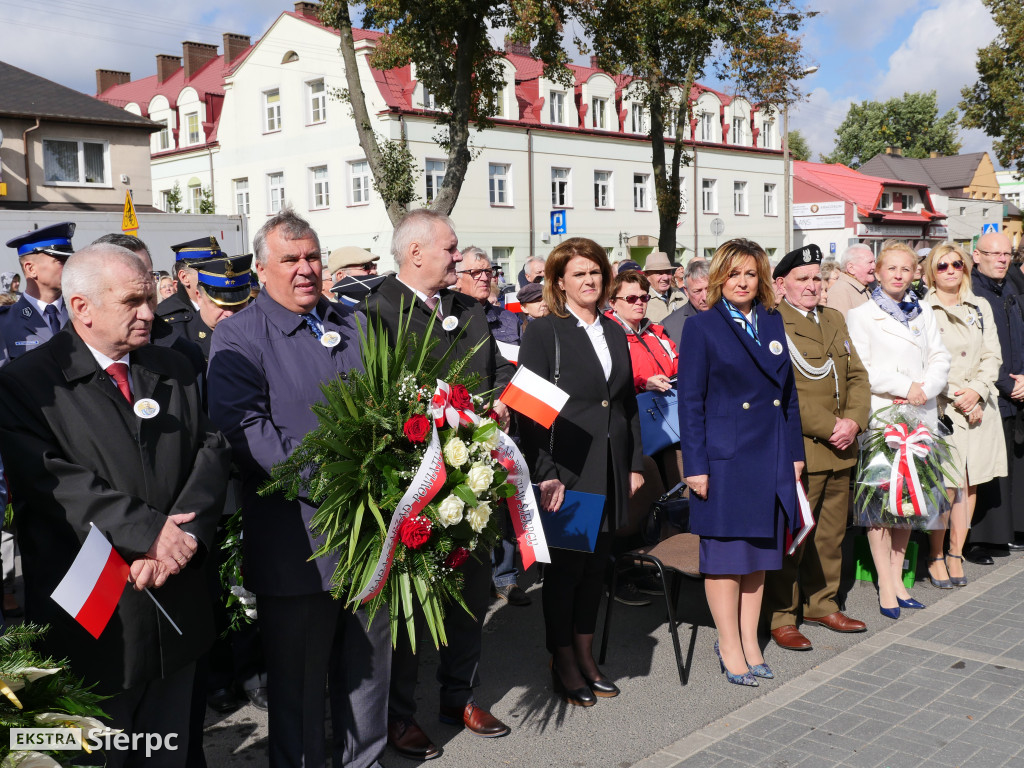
point(909, 603)
point(745, 679)
point(761, 670)
point(889, 613)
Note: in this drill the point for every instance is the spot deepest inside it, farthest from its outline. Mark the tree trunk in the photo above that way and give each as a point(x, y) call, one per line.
point(666, 181)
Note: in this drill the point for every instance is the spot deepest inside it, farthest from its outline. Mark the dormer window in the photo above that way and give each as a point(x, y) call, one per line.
point(290, 57)
point(557, 108)
point(706, 127)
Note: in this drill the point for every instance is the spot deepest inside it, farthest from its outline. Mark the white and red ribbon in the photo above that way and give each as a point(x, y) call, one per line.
point(443, 412)
point(426, 484)
point(907, 445)
point(523, 509)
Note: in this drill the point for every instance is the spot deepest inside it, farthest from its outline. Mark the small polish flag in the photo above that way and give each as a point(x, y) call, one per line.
point(534, 397)
point(93, 584)
point(509, 351)
point(513, 305)
point(806, 520)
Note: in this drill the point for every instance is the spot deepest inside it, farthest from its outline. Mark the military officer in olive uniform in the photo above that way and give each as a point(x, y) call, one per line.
point(223, 290)
point(40, 312)
point(834, 396)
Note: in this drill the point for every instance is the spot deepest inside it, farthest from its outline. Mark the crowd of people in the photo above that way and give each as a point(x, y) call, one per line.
point(153, 406)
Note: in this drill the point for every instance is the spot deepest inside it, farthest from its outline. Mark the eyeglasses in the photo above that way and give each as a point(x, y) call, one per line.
point(643, 297)
point(1006, 254)
point(943, 266)
point(476, 273)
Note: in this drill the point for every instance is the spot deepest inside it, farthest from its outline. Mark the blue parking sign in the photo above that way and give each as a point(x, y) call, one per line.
point(558, 222)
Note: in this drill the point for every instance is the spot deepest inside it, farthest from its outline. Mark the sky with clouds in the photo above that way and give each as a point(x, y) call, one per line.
point(865, 49)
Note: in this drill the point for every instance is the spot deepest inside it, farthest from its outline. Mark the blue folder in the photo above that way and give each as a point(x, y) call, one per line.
point(576, 523)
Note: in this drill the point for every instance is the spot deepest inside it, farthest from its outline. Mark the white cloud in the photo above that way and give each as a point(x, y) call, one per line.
point(818, 117)
point(940, 52)
point(854, 25)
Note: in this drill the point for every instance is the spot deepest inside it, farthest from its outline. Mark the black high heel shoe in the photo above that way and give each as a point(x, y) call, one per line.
point(602, 687)
point(581, 697)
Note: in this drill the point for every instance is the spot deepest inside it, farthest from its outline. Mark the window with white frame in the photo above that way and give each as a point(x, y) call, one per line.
point(642, 191)
point(317, 102)
point(275, 187)
point(195, 198)
point(501, 257)
point(706, 124)
point(908, 201)
point(768, 135)
point(671, 119)
point(770, 206)
point(70, 161)
point(603, 189)
point(556, 113)
point(739, 198)
point(163, 140)
point(359, 182)
point(242, 196)
point(709, 195)
point(886, 202)
point(320, 190)
point(434, 177)
point(598, 112)
point(192, 127)
point(429, 100)
point(638, 118)
point(165, 200)
point(271, 111)
point(499, 102)
point(498, 183)
point(561, 194)
point(738, 132)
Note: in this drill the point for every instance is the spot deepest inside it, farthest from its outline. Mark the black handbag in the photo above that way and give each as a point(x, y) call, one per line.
point(669, 515)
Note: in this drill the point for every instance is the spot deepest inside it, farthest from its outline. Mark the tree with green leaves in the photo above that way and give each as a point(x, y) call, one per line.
point(174, 199)
point(910, 123)
point(667, 46)
point(996, 102)
point(798, 146)
point(206, 204)
point(448, 42)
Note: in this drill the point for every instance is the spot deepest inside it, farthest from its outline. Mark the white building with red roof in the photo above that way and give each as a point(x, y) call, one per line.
point(262, 126)
point(835, 206)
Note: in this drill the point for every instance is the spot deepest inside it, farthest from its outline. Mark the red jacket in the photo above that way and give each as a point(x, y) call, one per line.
point(651, 351)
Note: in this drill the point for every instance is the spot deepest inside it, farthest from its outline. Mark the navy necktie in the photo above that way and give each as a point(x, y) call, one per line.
point(52, 318)
point(311, 321)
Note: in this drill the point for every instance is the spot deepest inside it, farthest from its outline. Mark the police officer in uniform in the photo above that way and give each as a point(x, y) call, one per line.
point(834, 396)
point(40, 312)
point(223, 288)
point(182, 309)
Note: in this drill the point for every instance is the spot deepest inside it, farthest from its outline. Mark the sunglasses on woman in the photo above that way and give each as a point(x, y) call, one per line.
point(942, 266)
point(634, 299)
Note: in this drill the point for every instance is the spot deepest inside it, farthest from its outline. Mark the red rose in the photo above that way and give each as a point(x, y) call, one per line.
point(417, 428)
point(457, 558)
point(414, 531)
point(461, 398)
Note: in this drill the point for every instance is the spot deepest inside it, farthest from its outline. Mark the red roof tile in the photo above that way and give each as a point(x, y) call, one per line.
point(862, 190)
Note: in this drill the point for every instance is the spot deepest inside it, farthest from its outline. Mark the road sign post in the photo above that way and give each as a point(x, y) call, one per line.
point(129, 221)
point(558, 223)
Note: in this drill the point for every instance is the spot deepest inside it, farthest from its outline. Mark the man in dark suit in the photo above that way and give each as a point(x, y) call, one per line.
point(182, 311)
point(426, 252)
point(695, 277)
point(266, 366)
point(99, 427)
point(834, 396)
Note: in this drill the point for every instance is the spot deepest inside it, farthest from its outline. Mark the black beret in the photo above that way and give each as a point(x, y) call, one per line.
point(801, 257)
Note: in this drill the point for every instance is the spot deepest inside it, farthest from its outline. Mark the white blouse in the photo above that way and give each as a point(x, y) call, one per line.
point(596, 335)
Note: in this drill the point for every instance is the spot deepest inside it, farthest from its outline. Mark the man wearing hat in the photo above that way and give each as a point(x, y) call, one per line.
point(832, 388)
point(222, 289)
point(40, 311)
point(351, 274)
point(183, 306)
point(665, 297)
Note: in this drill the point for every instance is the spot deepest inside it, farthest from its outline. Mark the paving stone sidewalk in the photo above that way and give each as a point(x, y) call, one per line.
point(939, 687)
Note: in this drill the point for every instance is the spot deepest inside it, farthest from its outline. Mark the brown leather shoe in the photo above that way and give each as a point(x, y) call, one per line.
point(477, 719)
point(838, 622)
point(789, 637)
point(409, 740)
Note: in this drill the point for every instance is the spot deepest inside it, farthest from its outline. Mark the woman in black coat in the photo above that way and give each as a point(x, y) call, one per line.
point(593, 446)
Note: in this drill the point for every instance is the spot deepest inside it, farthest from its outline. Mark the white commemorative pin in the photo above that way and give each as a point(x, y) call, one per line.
point(450, 323)
point(147, 408)
point(775, 347)
point(331, 339)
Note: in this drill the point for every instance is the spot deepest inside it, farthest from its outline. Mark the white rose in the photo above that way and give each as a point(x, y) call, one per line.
point(455, 452)
point(480, 479)
point(478, 516)
point(491, 442)
point(450, 511)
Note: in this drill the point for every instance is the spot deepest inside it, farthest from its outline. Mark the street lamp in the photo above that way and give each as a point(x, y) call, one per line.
point(787, 171)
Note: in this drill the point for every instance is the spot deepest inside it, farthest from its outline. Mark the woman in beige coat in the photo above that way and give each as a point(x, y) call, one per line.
point(969, 333)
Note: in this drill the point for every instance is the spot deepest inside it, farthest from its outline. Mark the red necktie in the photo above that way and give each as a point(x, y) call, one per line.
point(119, 373)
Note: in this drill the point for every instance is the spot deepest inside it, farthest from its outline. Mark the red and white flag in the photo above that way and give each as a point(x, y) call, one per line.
point(93, 584)
point(513, 305)
point(534, 397)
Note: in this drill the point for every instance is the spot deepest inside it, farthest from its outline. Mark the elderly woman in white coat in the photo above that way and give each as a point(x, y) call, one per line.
point(898, 338)
point(969, 402)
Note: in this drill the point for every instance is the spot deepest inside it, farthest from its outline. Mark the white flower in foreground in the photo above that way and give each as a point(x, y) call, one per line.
point(478, 516)
point(18, 679)
point(480, 479)
point(91, 727)
point(29, 760)
point(450, 511)
point(455, 452)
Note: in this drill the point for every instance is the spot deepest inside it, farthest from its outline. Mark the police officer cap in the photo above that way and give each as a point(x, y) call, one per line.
point(54, 240)
point(226, 280)
point(200, 249)
point(801, 257)
point(629, 266)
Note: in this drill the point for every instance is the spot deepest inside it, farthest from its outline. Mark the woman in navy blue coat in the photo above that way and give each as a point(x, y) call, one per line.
point(739, 425)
